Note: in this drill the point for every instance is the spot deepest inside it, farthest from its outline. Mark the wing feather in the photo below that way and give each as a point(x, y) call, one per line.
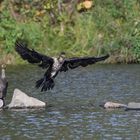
point(84, 61)
point(32, 56)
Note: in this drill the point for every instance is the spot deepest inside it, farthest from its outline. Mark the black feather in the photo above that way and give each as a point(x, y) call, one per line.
point(32, 56)
point(83, 61)
point(47, 82)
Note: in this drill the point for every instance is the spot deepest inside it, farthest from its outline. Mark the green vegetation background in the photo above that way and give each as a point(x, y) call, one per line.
point(52, 26)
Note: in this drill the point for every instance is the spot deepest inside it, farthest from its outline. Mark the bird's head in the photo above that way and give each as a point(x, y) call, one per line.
point(62, 56)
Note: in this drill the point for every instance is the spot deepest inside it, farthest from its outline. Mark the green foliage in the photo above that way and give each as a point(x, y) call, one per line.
point(11, 30)
point(111, 26)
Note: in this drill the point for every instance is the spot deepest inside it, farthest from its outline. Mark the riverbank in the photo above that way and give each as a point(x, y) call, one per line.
point(12, 60)
point(51, 27)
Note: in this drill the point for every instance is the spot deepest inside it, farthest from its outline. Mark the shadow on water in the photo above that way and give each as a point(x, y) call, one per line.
point(74, 111)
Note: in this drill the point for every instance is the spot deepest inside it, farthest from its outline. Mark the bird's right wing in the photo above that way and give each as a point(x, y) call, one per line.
point(32, 56)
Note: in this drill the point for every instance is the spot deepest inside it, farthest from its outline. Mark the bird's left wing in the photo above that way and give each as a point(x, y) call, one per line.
point(32, 56)
point(84, 61)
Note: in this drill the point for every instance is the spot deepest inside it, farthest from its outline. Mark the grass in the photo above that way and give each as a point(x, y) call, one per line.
point(111, 26)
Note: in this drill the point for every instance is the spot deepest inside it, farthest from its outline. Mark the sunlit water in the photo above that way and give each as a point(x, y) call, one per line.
point(73, 111)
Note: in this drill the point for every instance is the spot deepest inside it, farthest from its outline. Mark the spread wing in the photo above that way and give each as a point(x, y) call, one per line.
point(84, 61)
point(32, 56)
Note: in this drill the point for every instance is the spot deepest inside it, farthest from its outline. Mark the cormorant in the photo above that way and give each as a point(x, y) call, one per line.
point(3, 86)
point(53, 65)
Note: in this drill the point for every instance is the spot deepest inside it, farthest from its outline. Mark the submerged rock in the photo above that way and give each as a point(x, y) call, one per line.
point(113, 105)
point(133, 106)
point(22, 100)
point(107, 105)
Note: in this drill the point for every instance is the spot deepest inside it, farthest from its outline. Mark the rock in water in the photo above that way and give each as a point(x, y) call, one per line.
point(133, 106)
point(112, 105)
point(22, 100)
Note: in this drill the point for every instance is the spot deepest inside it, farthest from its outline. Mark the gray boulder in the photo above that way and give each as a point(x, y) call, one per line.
point(133, 106)
point(22, 100)
point(112, 105)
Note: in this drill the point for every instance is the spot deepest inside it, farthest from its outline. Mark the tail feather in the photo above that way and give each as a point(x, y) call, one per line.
point(39, 82)
point(46, 84)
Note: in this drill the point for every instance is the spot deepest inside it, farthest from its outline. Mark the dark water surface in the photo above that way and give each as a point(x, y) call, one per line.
point(74, 112)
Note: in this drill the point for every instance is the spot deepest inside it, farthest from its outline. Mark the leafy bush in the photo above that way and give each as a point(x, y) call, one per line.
point(11, 30)
point(110, 26)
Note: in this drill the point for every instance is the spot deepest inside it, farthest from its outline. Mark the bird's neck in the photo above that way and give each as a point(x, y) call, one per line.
point(3, 73)
point(60, 60)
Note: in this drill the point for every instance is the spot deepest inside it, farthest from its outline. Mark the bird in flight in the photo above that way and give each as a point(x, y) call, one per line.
point(52, 64)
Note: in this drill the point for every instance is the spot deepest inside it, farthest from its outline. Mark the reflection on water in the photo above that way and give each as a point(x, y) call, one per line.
point(74, 112)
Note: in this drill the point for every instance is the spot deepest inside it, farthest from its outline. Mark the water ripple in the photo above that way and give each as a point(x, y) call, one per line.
point(75, 112)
